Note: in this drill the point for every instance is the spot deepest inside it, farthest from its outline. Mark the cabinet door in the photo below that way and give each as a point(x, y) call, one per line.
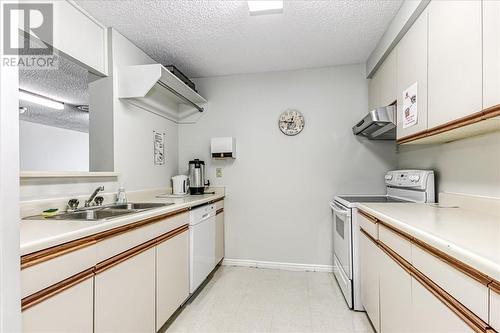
point(411, 69)
point(491, 53)
point(369, 270)
point(69, 311)
point(455, 60)
point(219, 237)
point(395, 297)
point(388, 80)
point(172, 276)
point(495, 310)
point(125, 295)
point(429, 314)
point(374, 92)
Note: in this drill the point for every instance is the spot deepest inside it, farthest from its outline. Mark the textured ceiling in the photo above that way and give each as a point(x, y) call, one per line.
point(214, 37)
point(68, 84)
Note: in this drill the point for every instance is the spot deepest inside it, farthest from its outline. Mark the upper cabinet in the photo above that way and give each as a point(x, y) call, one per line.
point(491, 53)
point(455, 60)
point(412, 69)
point(382, 88)
point(78, 36)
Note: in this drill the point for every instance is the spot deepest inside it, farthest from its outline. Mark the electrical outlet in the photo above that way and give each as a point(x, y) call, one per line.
point(218, 172)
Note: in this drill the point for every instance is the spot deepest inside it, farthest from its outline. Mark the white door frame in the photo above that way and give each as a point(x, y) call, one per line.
point(10, 277)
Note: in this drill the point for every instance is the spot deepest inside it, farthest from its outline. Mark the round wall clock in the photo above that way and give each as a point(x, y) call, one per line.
point(291, 122)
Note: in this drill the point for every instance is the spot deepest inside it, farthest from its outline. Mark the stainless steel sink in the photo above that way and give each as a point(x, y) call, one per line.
point(139, 205)
point(101, 213)
point(90, 215)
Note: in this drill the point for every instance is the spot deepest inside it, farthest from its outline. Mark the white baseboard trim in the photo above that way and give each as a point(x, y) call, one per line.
point(277, 265)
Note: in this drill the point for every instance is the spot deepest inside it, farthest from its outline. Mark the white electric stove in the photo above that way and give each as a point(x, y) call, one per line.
point(403, 186)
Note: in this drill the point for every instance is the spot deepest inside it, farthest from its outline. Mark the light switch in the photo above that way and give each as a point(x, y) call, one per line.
point(218, 172)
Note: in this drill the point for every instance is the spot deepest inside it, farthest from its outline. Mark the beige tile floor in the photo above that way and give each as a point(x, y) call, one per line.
point(240, 299)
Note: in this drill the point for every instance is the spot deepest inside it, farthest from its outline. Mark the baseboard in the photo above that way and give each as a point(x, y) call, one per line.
point(277, 265)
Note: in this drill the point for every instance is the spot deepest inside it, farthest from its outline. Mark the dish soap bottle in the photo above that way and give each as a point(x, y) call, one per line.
point(121, 197)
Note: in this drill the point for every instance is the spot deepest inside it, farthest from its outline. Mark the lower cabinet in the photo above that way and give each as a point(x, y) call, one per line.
point(125, 295)
point(395, 297)
point(71, 310)
point(172, 276)
point(495, 309)
point(370, 257)
point(219, 237)
point(429, 314)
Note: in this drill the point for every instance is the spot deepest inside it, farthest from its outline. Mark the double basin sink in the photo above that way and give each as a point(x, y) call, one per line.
point(100, 213)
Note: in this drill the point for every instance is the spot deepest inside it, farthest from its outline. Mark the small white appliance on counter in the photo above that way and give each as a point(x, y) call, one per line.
point(223, 147)
point(180, 185)
point(202, 231)
point(403, 186)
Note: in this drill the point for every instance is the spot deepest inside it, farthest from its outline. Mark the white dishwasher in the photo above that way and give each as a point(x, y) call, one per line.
point(202, 244)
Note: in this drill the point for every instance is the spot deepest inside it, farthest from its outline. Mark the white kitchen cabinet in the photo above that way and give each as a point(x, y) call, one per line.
point(388, 79)
point(495, 310)
point(78, 35)
point(370, 258)
point(411, 69)
point(429, 314)
point(172, 276)
point(219, 237)
point(455, 60)
point(125, 295)
point(395, 297)
point(374, 92)
point(71, 310)
point(491, 53)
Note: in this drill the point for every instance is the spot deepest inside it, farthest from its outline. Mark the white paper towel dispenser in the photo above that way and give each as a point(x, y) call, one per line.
point(223, 147)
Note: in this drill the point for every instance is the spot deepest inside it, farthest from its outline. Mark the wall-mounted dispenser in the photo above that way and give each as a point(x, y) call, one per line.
point(223, 147)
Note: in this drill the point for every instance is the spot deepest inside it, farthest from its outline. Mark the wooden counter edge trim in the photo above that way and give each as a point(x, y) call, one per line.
point(398, 232)
point(484, 114)
point(55, 289)
point(121, 257)
point(219, 211)
point(454, 263)
point(34, 258)
point(368, 216)
point(495, 287)
point(472, 320)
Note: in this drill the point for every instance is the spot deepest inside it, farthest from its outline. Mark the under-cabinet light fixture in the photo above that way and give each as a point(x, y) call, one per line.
point(260, 7)
point(40, 100)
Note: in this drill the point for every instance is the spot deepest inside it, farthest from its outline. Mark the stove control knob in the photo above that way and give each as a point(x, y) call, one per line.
point(388, 177)
point(414, 178)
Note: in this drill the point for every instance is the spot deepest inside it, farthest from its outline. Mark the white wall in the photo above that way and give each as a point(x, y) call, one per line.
point(469, 166)
point(10, 277)
point(279, 187)
point(131, 127)
point(48, 148)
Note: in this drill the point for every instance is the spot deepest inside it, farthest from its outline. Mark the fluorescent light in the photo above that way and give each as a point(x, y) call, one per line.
point(265, 6)
point(37, 99)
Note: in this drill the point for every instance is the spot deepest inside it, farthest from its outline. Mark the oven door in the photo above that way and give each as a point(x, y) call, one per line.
point(342, 244)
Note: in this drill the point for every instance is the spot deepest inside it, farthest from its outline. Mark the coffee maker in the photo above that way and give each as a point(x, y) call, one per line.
point(197, 177)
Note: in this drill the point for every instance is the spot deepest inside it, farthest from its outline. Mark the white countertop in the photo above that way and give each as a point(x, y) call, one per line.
point(470, 236)
point(41, 234)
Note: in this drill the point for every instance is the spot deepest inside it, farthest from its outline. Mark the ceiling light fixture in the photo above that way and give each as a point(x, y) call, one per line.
point(260, 7)
point(40, 100)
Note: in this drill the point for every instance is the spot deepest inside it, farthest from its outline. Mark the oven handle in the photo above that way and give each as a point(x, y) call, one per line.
point(336, 209)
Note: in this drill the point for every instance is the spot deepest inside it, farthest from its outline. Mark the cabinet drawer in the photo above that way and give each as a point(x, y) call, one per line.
point(368, 224)
point(219, 204)
point(395, 242)
point(47, 273)
point(468, 291)
point(495, 310)
point(122, 242)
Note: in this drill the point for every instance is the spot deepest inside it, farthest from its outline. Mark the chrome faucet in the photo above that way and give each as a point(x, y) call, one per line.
point(92, 196)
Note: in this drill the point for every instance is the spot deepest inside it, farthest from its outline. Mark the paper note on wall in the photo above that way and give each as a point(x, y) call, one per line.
point(410, 113)
point(159, 148)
